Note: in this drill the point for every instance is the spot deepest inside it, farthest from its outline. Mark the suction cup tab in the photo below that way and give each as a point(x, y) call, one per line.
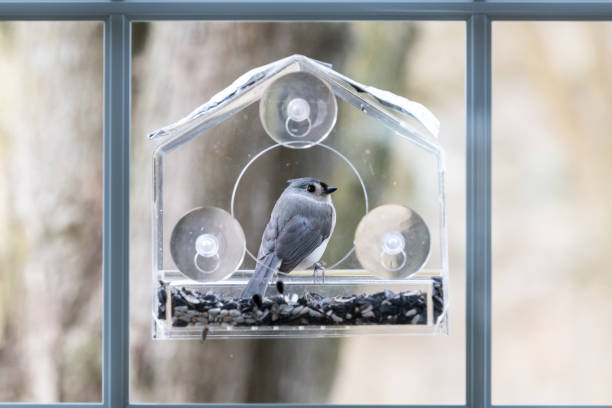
point(298, 107)
point(207, 244)
point(392, 242)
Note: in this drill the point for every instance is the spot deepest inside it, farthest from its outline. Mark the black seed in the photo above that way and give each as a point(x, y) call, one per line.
point(177, 300)
point(387, 308)
point(396, 300)
point(162, 295)
point(379, 295)
point(161, 311)
point(278, 299)
point(230, 305)
point(372, 300)
point(204, 335)
point(340, 309)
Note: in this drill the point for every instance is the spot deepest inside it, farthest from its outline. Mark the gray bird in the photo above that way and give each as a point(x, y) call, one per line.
point(297, 234)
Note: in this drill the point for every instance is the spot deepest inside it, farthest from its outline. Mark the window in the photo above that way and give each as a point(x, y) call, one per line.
point(390, 55)
point(120, 26)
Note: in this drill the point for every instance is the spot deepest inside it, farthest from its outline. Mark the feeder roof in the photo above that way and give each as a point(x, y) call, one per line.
point(384, 105)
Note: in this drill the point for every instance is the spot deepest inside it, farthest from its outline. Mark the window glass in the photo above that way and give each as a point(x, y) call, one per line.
point(552, 151)
point(177, 67)
point(50, 211)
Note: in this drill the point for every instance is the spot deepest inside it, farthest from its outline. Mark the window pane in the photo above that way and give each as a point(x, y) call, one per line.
point(50, 211)
point(178, 66)
point(552, 158)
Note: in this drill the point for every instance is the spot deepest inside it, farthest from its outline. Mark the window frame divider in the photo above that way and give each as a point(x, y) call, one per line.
point(116, 211)
point(478, 212)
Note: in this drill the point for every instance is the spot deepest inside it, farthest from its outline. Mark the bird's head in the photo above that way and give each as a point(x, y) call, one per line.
point(311, 187)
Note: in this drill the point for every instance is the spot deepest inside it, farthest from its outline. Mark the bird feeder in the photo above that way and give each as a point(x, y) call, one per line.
point(218, 172)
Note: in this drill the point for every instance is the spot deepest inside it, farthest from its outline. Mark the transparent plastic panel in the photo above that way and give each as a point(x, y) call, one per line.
point(364, 158)
point(303, 218)
point(551, 213)
point(50, 211)
point(373, 154)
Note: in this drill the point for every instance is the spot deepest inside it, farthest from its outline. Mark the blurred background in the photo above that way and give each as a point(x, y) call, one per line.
point(552, 213)
point(552, 94)
point(50, 211)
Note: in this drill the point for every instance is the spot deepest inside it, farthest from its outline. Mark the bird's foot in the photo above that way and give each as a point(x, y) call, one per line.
point(280, 286)
point(318, 267)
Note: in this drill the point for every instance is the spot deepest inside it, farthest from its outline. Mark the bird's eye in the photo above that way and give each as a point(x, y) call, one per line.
point(311, 188)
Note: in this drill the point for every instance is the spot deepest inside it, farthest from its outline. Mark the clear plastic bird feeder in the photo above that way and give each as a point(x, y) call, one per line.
point(218, 172)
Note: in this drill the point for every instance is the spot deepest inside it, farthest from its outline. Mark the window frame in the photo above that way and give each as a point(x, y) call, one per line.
point(118, 16)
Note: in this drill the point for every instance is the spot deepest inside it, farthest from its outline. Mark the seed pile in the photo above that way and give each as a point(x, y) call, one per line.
point(197, 308)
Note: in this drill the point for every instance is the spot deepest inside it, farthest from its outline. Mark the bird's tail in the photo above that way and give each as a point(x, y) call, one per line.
point(263, 273)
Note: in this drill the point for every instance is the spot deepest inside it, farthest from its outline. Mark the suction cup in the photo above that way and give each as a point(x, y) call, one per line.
point(298, 107)
point(207, 244)
point(392, 242)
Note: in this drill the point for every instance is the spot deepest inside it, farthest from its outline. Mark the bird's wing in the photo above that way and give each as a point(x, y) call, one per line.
point(268, 239)
point(304, 231)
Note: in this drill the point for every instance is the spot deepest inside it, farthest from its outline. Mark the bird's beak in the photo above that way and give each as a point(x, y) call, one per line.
point(329, 190)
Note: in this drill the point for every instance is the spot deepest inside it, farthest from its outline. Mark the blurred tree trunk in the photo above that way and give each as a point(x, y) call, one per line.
point(51, 144)
point(379, 66)
point(204, 58)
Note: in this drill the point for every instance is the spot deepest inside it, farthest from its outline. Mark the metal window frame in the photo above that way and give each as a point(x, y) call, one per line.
point(118, 15)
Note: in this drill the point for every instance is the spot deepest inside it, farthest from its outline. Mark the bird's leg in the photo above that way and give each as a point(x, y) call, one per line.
point(318, 267)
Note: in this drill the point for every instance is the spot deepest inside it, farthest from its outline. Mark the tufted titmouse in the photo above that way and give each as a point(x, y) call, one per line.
point(297, 234)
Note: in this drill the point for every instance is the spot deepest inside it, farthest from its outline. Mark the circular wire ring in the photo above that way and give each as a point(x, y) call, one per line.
point(383, 263)
point(195, 262)
point(288, 129)
point(347, 161)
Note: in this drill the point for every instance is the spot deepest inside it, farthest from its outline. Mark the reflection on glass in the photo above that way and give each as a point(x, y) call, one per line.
point(551, 213)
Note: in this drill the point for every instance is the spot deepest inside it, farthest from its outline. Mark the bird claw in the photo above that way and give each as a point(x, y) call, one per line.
point(280, 284)
point(318, 267)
